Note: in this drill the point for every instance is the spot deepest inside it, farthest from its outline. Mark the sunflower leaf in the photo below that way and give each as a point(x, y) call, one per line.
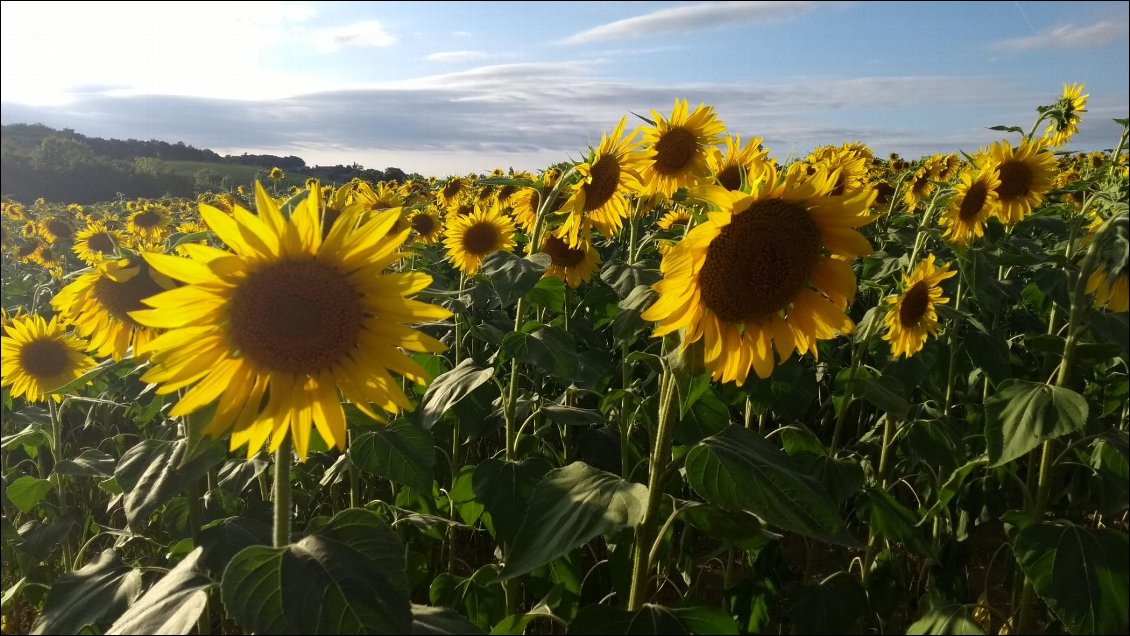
point(88, 596)
point(172, 605)
point(449, 388)
point(1021, 415)
point(402, 452)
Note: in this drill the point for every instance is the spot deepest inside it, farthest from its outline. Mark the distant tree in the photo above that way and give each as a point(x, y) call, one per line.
point(207, 180)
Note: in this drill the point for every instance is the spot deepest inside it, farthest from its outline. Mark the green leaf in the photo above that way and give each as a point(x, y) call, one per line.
point(440, 621)
point(91, 462)
point(887, 393)
point(511, 276)
point(346, 578)
point(628, 321)
point(952, 485)
point(893, 521)
point(1021, 415)
point(572, 416)
point(652, 619)
point(173, 605)
point(449, 388)
point(835, 606)
point(402, 453)
point(504, 488)
point(88, 596)
point(735, 529)
point(624, 278)
point(549, 293)
point(86, 378)
point(1113, 328)
point(27, 491)
point(548, 349)
point(288, 206)
point(738, 470)
point(1079, 572)
point(1015, 129)
point(570, 507)
point(988, 352)
point(944, 617)
point(842, 478)
point(153, 472)
point(222, 539)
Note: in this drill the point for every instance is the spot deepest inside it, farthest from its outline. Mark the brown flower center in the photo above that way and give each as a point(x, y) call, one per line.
point(60, 229)
point(121, 298)
point(730, 177)
point(1016, 180)
point(101, 242)
point(147, 220)
point(674, 150)
point(973, 202)
point(452, 188)
point(561, 253)
point(44, 359)
point(300, 317)
point(480, 239)
point(424, 224)
point(604, 178)
point(914, 304)
point(757, 264)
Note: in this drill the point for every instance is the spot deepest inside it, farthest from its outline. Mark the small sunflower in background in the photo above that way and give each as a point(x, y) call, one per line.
point(1064, 116)
point(676, 220)
point(149, 224)
point(919, 186)
point(1027, 173)
point(39, 356)
point(277, 174)
point(678, 148)
point(96, 243)
point(426, 225)
point(452, 190)
point(473, 237)
point(99, 303)
point(600, 198)
point(738, 163)
point(976, 200)
point(574, 265)
point(276, 332)
point(912, 315)
point(55, 228)
point(525, 203)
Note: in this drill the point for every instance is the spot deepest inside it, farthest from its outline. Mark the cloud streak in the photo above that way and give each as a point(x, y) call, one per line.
point(1068, 36)
point(364, 34)
point(691, 18)
point(455, 57)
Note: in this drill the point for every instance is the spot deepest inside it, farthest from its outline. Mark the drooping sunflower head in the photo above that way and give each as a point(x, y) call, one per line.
point(851, 163)
point(739, 163)
point(912, 316)
point(768, 270)
point(678, 148)
point(55, 228)
point(13, 211)
point(918, 186)
point(473, 237)
point(1027, 173)
point(39, 356)
point(426, 225)
point(599, 198)
point(96, 243)
point(277, 331)
point(975, 200)
point(1108, 282)
point(150, 223)
point(574, 265)
point(1064, 116)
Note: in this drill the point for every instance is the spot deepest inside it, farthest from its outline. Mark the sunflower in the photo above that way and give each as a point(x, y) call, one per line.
point(1065, 117)
point(426, 224)
point(1111, 291)
point(273, 332)
point(912, 316)
point(975, 201)
point(765, 270)
point(39, 356)
point(678, 148)
point(96, 242)
point(921, 185)
point(452, 189)
point(739, 162)
point(599, 199)
point(677, 219)
point(1027, 173)
point(853, 161)
point(472, 237)
point(574, 265)
point(277, 174)
point(384, 197)
point(525, 203)
point(55, 228)
point(149, 224)
point(99, 303)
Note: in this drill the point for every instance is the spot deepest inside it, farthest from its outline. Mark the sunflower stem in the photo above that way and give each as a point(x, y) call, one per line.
point(660, 455)
point(884, 458)
point(57, 453)
point(856, 358)
point(953, 349)
point(281, 534)
point(354, 475)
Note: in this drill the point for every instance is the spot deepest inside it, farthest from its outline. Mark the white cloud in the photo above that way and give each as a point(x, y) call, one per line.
point(454, 57)
point(364, 34)
point(1067, 36)
point(691, 18)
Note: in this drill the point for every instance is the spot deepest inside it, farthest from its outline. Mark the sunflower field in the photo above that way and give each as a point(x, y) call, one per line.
point(681, 386)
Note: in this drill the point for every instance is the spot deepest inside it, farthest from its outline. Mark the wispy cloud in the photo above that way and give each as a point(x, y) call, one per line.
point(364, 34)
point(1068, 36)
point(453, 57)
point(691, 18)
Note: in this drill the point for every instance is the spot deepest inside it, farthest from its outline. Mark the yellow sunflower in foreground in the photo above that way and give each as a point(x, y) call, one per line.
point(975, 201)
point(912, 316)
point(1065, 117)
point(574, 265)
point(600, 200)
point(1027, 173)
point(679, 148)
point(473, 237)
point(765, 271)
point(96, 242)
point(99, 303)
point(39, 356)
point(273, 332)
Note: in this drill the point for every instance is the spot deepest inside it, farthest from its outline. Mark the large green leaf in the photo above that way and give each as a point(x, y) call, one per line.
point(173, 605)
point(549, 349)
point(835, 606)
point(439, 621)
point(738, 470)
point(511, 276)
point(1080, 573)
point(88, 596)
point(568, 508)
point(27, 491)
point(222, 539)
point(652, 619)
point(893, 521)
point(624, 278)
point(91, 462)
point(944, 617)
point(1021, 415)
point(153, 472)
point(504, 488)
point(346, 578)
point(402, 452)
point(628, 321)
point(449, 388)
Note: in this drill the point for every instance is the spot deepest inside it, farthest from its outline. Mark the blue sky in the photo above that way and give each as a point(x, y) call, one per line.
point(458, 87)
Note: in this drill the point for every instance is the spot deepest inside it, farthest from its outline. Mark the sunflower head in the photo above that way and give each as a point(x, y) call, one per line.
point(574, 265)
point(472, 237)
point(1064, 116)
point(678, 148)
point(150, 223)
point(912, 316)
point(976, 200)
point(39, 356)
point(739, 163)
point(918, 186)
point(96, 243)
point(55, 228)
point(426, 225)
point(276, 174)
point(1027, 173)
point(599, 198)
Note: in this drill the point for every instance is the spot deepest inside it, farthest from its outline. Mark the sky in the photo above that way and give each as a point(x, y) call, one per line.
point(459, 87)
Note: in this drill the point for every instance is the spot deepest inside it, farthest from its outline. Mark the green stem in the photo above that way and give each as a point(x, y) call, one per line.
point(281, 534)
point(57, 452)
point(625, 417)
point(856, 357)
point(354, 475)
point(195, 524)
point(660, 456)
point(953, 350)
point(884, 457)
